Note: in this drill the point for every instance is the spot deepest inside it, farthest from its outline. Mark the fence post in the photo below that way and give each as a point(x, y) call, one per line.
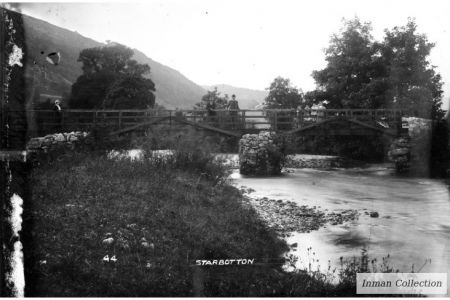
point(244, 125)
point(120, 119)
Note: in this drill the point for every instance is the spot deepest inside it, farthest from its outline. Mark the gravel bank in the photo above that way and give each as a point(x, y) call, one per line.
point(286, 217)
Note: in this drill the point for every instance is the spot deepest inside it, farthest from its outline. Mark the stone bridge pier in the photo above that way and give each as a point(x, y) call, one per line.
point(411, 152)
point(260, 154)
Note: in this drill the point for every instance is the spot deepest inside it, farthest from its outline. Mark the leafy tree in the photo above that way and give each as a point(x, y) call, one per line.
point(413, 82)
point(282, 95)
point(346, 82)
point(393, 73)
point(212, 100)
point(111, 79)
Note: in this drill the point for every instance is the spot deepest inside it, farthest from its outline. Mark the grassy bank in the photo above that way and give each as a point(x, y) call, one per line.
point(103, 227)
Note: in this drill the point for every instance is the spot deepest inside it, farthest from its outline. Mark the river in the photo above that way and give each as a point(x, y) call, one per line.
point(413, 226)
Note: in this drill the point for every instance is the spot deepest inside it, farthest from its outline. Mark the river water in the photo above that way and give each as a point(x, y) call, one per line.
point(413, 226)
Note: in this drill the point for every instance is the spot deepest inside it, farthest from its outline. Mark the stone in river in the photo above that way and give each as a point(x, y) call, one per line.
point(374, 214)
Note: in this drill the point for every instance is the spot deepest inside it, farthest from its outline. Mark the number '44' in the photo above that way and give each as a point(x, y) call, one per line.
point(107, 259)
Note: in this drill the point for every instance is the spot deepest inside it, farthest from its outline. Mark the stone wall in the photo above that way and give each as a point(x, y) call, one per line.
point(412, 153)
point(400, 153)
point(57, 140)
point(260, 154)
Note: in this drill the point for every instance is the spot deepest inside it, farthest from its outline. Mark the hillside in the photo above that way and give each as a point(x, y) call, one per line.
point(248, 99)
point(172, 88)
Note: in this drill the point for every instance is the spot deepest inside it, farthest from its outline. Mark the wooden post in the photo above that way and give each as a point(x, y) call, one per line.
point(95, 118)
point(120, 119)
point(244, 125)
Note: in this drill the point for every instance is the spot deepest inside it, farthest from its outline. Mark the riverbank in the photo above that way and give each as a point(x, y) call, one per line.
point(121, 227)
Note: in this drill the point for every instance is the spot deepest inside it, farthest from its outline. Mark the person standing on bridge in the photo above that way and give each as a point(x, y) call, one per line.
point(233, 108)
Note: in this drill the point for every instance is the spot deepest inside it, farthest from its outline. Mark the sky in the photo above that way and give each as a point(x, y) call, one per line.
point(245, 43)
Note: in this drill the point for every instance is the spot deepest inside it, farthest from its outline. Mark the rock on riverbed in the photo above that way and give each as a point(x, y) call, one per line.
point(286, 216)
point(313, 161)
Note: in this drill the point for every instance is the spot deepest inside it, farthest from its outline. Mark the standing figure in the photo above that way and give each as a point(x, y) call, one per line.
point(233, 108)
point(57, 111)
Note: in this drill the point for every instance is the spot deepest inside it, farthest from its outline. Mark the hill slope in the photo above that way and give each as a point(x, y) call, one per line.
point(248, 99)
point(173, 89)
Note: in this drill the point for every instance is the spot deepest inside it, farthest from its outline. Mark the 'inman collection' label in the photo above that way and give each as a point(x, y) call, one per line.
point(402, 283)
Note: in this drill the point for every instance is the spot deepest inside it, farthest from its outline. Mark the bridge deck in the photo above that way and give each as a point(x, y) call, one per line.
point(234, 123)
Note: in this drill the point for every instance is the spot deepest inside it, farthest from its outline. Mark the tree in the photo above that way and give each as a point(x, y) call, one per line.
point(413, 82)
point(213, 100)
point(282, 95)
point(346, 81)
point(393, 73)
point(111, 79)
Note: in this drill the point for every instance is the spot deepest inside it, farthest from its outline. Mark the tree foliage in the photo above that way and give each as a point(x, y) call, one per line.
point(282, 95)
point(393, 73)
point(112, 80)
point(212, 100)
point(413, 81)
point(346, 81)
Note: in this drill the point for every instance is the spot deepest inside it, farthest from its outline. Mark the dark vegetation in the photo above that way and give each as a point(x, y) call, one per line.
point(112, 80)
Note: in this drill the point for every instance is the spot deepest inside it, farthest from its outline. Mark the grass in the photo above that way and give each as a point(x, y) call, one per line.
point(79, 201)
point(162, 214)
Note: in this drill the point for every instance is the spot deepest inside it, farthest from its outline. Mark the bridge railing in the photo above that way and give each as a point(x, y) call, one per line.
point(270, 119)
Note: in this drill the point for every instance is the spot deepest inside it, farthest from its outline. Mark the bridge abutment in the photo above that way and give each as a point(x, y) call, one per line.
point(260, 154)
point(412, 151)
